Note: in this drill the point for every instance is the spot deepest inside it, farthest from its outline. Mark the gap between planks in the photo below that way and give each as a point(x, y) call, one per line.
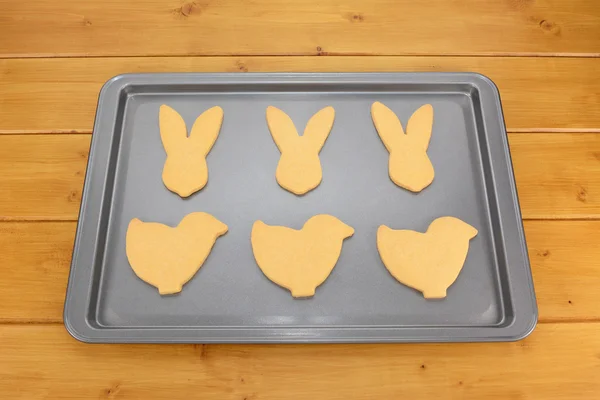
point(312, 54)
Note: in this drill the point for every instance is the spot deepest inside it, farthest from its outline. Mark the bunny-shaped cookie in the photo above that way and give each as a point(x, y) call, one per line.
point(409, 167)
point(299, 169)
point(185, 170)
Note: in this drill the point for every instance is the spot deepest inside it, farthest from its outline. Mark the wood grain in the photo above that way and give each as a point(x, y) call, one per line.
point(538, 94)
point(558, 175)
point(278, 27)
point(42, 176)
point(565, 262)
point(555, 362)
point(36, 257)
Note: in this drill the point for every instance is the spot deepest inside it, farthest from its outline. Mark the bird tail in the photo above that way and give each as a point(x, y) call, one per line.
point(258, 226)
point(135, 222)
point(383, 229)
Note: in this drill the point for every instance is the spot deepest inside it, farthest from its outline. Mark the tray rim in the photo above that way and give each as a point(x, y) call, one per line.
point(76, 313)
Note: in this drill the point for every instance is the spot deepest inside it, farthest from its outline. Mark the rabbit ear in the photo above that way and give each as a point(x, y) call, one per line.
point(387, 124)
point(419, 126)
point(282, 128)
point(206, 129)
point(172, 128)
point(319, 126)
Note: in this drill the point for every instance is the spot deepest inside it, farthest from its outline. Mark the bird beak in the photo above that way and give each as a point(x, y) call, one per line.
point(348, 230)
point(471, 232)
point(220, 227)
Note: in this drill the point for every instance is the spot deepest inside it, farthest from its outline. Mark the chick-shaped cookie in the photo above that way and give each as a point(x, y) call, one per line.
point(299, 169)
point(167, 257)
point(429, 262)
point(409, 166)
point(299, 260)
point(185, 170)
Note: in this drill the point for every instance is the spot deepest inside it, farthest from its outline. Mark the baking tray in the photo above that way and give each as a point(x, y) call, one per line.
point(229, 299)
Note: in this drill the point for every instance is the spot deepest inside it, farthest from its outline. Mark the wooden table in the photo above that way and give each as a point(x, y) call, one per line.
point(544, 57)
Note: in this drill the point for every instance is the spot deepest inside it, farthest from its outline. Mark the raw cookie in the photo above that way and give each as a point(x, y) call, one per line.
point(409, 167)
point(299, 260)
point(167, 257)
point(299, 169)
point(185, 170)
point(429, 262)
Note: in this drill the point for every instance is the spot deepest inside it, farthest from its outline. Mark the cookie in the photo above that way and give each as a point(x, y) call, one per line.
point(299, 169)
point(409, 166)
point(428, 262)
point(185, 170)
point(299, 260)
point(167, 257)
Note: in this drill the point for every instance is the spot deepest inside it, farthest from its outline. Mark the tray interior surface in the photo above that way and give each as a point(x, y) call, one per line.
point(230, 290)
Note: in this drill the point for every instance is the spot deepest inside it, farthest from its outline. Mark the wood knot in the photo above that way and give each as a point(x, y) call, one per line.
point(582, 194)
point(113, 391)
point(423, 366)
point(201, 350)
point(320, 51)
point(241, 66)
point(186, 9)
point(550, 27)
point(544, 253)
point(357, 17)
point(87, 22)
point(73, 196)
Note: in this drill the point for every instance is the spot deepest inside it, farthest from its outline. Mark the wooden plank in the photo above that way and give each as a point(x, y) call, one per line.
point(35, 267)
point(36, 256)
point(565, 262)
point(42, 176)
point(558, 175)
point(278, 27)
point(558, 361)
point(60, 95)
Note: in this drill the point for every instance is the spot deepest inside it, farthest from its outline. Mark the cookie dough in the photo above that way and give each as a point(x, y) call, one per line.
point(299, 169)
point(167, 257)
point(409, 166)
point(185, 170)
point(299, 260)
point(429, 262)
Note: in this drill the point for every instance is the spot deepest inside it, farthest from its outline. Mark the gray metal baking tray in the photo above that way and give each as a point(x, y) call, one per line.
point(229, 299)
